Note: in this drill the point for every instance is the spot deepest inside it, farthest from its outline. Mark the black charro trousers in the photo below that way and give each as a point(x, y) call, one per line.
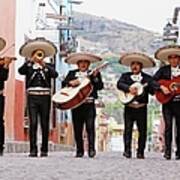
point(1, 122)
point(39, 108)
point(84, 114)
point(138, 115)
point(171, 110)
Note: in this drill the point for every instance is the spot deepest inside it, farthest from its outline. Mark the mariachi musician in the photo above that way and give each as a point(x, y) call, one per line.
point(136, 109)
point(170, 55)
point(38, 86)
point(85, 113)
point(4, 71)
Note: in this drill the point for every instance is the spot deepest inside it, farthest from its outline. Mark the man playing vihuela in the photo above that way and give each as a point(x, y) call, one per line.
point(135, 87)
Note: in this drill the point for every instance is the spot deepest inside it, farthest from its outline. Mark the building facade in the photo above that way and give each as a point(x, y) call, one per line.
point(21, 20)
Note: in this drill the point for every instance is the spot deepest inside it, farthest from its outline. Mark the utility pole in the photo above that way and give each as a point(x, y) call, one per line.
point(65, 45)
point(175, 16)
point(171, 30)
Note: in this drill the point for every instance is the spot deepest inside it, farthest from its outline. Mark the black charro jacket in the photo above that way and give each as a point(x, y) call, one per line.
point(3, 76)
point(163, 73)
point(125, 82)
point(96, 82)
point(38, 77)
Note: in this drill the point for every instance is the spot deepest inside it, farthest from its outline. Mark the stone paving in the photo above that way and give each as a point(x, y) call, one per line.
point(105, 166)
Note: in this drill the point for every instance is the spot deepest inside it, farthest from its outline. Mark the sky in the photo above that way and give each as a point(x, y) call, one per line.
point(149, 14)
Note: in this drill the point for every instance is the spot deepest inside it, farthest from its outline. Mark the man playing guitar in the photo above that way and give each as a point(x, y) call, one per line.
point(136, 110)
point(85, 112)
point(170, 109)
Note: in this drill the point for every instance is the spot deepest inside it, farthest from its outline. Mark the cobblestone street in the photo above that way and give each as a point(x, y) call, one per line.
point(105, 166)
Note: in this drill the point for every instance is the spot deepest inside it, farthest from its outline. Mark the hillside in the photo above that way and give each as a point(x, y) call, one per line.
point(111, 37)
point(102, 35)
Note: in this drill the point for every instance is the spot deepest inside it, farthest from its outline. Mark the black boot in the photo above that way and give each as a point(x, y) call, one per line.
point(140, 156)
point(33, 153)
point(127, 154)
point(1, 151)
point(79, 154)
point(44, 154)
point(140, 153)
point(177, 157)
point(92, 153)
point(167, 154)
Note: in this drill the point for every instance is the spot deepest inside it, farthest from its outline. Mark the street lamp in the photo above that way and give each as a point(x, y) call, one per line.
point(75, 2)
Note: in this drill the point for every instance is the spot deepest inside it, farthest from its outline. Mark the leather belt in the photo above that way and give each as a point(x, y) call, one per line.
point(38, 93)
point(136, 106)
point(1, 92)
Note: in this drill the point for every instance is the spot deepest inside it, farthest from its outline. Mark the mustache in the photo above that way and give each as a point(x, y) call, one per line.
point(134, 68)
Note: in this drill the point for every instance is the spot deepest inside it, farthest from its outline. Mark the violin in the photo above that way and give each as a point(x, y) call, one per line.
point(2, 60)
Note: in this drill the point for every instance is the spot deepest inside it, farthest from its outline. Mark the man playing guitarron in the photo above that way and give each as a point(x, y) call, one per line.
point(84, 113)
point(135, 110)
point(170, 108)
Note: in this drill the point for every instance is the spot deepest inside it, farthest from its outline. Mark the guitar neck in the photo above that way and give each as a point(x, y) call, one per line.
point(98, 68)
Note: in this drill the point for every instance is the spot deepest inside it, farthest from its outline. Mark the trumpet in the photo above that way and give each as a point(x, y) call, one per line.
point(39, 55)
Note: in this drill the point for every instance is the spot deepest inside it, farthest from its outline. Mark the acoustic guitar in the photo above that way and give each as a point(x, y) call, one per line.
point(127, 97)
point(71, 97)
point(174, 87)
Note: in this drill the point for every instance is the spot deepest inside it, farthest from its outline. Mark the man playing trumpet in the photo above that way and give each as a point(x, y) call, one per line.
point(4, 71)
point(38, 86)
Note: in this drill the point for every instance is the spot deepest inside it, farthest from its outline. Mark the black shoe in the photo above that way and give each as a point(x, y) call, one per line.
point(167, 156)
point(140, 156)
point(33, 154)
point(1, 152)
point(92, 153)
point(127, 154)
point(44, 154)
point(177, 157)
point(79, 154)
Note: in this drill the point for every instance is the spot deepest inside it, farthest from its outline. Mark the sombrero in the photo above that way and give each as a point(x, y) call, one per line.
point(75, 57)
point(163, 52)
point(30, 46)
point(128, 58)
point(2, 43)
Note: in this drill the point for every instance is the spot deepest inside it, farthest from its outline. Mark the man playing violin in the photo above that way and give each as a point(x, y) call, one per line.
point(85, 113)
point(170, 55)
point(136, 110)
point(4, 71)
point(38, 86)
